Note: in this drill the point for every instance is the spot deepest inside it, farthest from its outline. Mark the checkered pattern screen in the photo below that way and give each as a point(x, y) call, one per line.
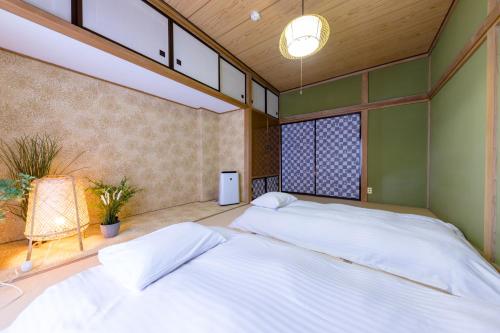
point(338, 156)
point(322, 157)
point(297, 157)
point(272, 184)
point(258, 187)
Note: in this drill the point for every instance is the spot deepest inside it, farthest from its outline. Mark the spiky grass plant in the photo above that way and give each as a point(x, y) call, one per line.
point(32, 156)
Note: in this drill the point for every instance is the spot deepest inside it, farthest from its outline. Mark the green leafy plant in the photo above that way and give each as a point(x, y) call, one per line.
point(32, 155)
point(14, 190)
point(112, 198)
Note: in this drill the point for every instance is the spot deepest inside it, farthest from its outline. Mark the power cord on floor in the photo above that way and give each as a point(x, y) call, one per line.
point(7, 284)
point(20, 292)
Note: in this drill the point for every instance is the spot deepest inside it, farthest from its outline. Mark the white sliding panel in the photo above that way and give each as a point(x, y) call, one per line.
point(131, 23)
point(195, 59)
point(258, 97)
point(232, 81)
point(61, 8)
point(272, 104)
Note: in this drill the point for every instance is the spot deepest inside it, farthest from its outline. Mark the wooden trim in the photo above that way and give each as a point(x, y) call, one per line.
point(364, 155)
point(193, 29)
point(441, 27)
point(265, 176)
point(428, 187)
point(364, 88)
point(36, 15)
point(361, 71)
point(472, 45)
point(490, 140)
point(247, 181)
point(356, 108)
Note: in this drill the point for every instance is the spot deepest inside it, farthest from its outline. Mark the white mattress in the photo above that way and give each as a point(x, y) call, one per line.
point(255, 284)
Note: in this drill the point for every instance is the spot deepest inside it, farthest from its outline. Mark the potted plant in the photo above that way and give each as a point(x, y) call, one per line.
point(12, 190)
point(112, 199)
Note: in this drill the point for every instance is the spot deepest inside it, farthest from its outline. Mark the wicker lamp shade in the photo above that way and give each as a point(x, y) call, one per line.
point(304, 36)
point(56, 209)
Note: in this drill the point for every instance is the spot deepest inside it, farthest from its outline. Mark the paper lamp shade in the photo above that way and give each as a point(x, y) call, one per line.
point(304, 36)
point(56, 205)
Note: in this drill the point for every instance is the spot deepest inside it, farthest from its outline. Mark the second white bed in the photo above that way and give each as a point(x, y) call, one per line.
point(254, 284)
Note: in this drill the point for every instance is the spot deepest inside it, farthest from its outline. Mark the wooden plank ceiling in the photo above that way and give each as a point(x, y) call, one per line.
point(364, 33)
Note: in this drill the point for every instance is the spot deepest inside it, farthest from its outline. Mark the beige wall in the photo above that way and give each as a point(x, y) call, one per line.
point(222, 149)
point(172, 151)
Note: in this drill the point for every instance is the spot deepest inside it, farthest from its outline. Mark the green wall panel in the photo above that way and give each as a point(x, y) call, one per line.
point(406, 79)
point(397, 155)
point(343, 92)
point(458, 116)
point(465, 19)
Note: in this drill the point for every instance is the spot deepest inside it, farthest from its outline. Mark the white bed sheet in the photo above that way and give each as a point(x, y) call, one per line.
point(255, 284)
point(419, 248)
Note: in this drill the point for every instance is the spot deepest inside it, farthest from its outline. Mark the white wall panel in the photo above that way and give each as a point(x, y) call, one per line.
point(195, 59)
point(232, 81)
point(131, 23)
point(60, 8)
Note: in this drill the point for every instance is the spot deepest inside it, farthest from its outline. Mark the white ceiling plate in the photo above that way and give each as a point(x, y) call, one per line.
point(25, 37)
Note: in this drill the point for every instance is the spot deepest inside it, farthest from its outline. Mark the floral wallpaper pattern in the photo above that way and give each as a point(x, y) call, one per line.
point(172, 151)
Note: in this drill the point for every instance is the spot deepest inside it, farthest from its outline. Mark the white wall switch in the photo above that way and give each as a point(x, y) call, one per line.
point(369, 190)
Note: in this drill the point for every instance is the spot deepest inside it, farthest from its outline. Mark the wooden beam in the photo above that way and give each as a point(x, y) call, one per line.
point(181, 20)
point(247, 180)
point(470, 47)
point(364, 155)
point(429, 111)
point(490, 139)
point(364, 137)
point(356, 108)
point(34, 14)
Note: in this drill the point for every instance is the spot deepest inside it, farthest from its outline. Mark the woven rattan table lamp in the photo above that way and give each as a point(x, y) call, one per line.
point(56, 209)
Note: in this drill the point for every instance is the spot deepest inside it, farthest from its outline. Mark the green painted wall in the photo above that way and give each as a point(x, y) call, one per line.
point(458, 116)
point(465, 19)
point(397, 155)
point(343, 92)
point(406, 79)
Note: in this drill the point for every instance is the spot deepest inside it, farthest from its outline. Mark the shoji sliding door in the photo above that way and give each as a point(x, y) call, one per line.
point(323, 157)
point(298, 157)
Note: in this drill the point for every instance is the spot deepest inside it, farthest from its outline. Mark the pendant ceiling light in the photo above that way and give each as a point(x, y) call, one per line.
point(304, 36)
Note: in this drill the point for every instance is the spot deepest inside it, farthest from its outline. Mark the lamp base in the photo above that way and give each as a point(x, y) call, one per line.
point(26, 266)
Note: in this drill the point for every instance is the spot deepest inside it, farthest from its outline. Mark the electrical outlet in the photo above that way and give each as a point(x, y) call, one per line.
point(369, 190)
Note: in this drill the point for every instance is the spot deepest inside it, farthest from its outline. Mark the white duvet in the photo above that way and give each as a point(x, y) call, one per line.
point(254, 284)
point(420, 248)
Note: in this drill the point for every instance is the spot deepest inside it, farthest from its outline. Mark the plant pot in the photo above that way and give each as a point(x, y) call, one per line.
point(110, 230)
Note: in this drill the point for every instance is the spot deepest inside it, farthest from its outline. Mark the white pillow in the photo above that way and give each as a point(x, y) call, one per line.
point(142, 261)
point(274, 200)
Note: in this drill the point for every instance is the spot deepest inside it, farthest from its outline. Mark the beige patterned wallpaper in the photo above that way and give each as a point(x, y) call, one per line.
point(231, 141)
point(172, 151)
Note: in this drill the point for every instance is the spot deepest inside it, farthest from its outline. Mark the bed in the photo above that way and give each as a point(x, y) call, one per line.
point(256, 283)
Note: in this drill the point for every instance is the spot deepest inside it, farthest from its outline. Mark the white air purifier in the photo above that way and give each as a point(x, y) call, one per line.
point(229, 188)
